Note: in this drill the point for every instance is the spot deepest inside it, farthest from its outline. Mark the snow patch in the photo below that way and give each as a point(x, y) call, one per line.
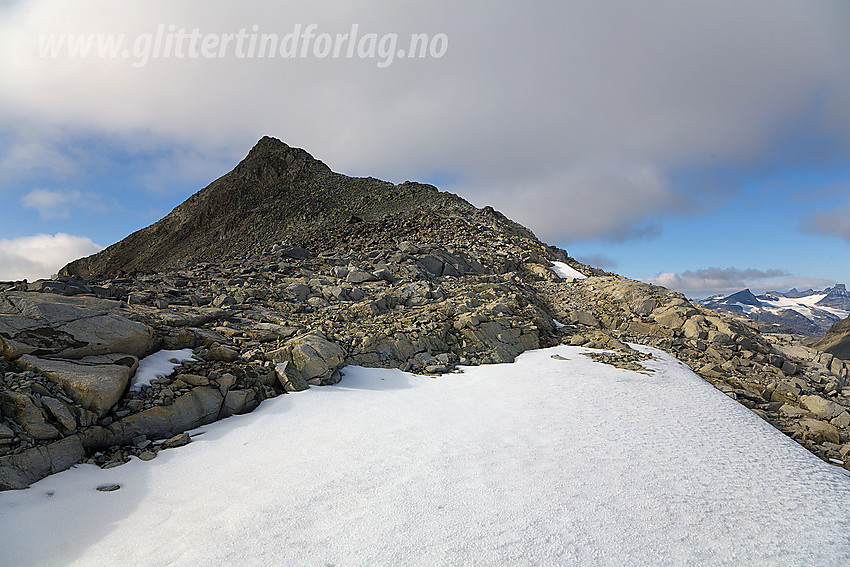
point(805, 306)
point(541, 462)
point(566, 271)
point(158, 365)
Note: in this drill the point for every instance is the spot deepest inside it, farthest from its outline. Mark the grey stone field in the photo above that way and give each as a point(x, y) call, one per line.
point(280, 273)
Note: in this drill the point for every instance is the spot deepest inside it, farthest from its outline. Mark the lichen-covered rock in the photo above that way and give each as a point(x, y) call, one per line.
point(22, 409)
point(68, 327)
point(96, 383)
point(821, 407)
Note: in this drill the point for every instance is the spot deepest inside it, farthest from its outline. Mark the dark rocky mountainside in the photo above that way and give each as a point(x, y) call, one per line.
point(279, 274)
point(282, 194)
point(836, 297)
point(836, 341)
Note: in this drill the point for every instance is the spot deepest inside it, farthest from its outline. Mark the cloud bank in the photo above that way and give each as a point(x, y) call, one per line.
point(835, 222)
point(59, 204)
point(711, 281)
point(574, 118)
point(40, 256)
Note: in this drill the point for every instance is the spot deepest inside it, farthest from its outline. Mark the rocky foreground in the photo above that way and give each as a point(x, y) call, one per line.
point(426, 283)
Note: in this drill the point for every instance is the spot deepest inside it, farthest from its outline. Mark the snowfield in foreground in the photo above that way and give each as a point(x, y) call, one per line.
point(539, 462)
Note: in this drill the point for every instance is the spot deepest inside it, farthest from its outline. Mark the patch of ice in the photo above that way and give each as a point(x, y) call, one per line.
point(566, 271)
point(158, 365)
point(746, 308)
point(558, 325)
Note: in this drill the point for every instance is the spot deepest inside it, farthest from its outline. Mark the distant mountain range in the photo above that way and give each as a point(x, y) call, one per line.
point(808, 312)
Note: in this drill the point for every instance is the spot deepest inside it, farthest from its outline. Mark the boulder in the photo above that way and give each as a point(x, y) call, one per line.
point(23, 410)
point(237, 402)
point(289, 377)
point(821, 407)
point(222, 381)
point(431, 264)
point(197, 407)
point(68, 327)
point(819, 431)
point(693, 329)
point(788, 410)
point(22, 469)
point(221, 353)
point(672, 318)
point(788, 368)
point(60, 412)
point(96, 383)
point(359, 276)
point(179, 440)
point(294, 252)
point(643, 305)
point(314, 357)
point(842, 420)
point(582, 317)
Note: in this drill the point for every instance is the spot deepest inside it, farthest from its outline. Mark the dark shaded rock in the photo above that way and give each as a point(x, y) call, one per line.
point(22, 409)
point(193, 409)
point(295, 252)
point(837, 340)
point(22, 469)
point(237, 402)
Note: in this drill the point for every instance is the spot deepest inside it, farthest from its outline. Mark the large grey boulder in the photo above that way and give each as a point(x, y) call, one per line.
point(22, 469)
point(237, 402)
point(23, 410)
point(68, 327)
point(290, 379)
point(197, 407)
point(313, 356)
point(821, 407)
point(819, 431)
point(96, 383)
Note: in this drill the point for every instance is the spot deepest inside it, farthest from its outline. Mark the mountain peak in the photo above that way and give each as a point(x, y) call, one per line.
point(836, 297)
point(745, 296)
point(279, 193)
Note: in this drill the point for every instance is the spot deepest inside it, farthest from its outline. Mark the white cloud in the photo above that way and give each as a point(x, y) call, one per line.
point(58, 204)
point(40, 256)
point(538, 110)
point(711, 281)
point(51, 204)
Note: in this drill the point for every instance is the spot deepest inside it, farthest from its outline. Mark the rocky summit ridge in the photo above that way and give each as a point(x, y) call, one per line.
point(280, 273)
point(283, 194)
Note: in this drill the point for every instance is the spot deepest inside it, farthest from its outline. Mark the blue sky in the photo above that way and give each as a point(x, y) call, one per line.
point(702, 146)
